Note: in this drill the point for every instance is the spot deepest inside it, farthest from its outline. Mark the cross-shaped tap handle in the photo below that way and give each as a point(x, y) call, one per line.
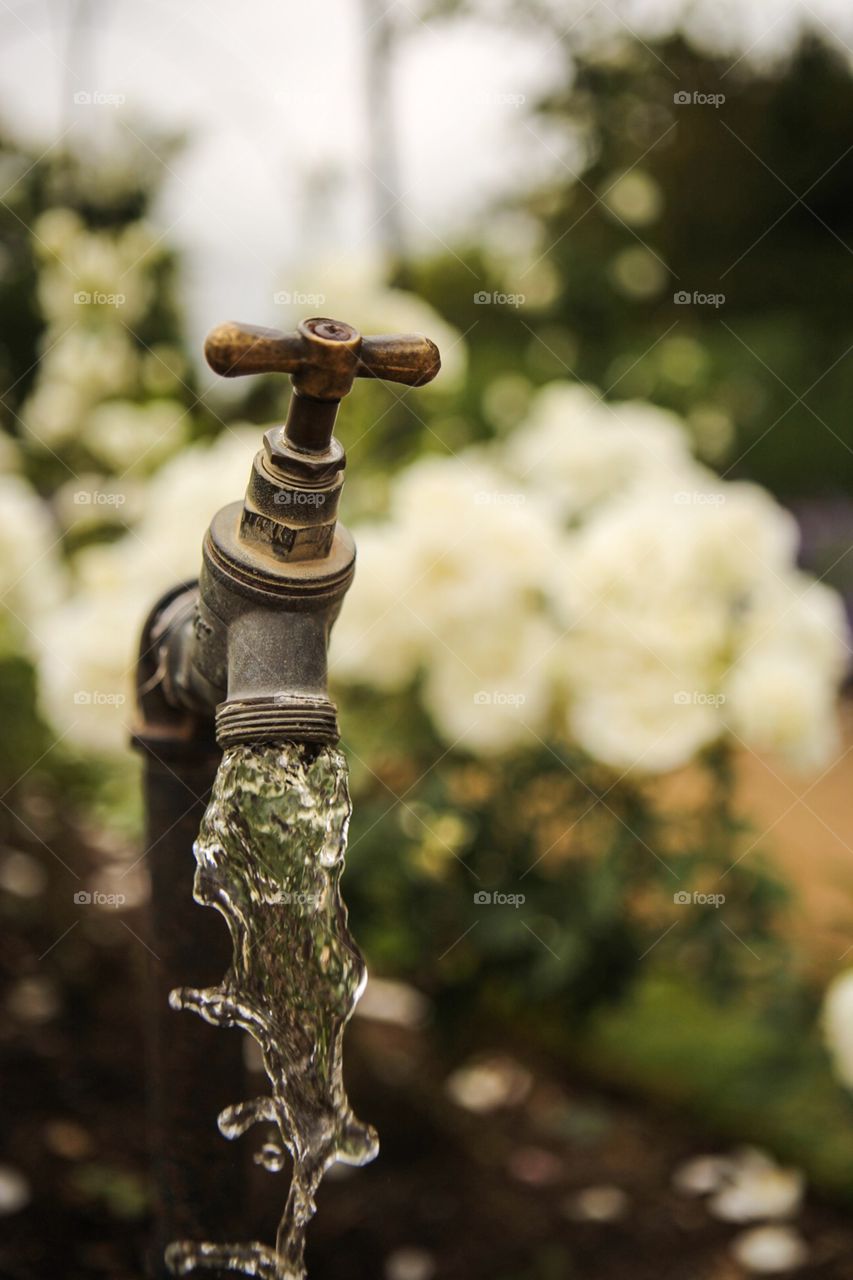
point(323, 357)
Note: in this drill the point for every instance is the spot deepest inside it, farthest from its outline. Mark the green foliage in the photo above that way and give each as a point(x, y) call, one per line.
point(751, 1067)
point(598, 865)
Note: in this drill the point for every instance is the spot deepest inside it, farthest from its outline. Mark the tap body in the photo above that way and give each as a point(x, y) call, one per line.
point(249, 643)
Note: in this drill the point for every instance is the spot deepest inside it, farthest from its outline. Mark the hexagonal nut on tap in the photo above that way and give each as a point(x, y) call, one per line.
point(291, 503)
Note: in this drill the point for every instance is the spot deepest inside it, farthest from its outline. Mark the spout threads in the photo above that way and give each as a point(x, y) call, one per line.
point(284, 718)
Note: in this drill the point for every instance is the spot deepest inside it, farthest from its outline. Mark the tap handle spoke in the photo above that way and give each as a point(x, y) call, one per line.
point(322, 356)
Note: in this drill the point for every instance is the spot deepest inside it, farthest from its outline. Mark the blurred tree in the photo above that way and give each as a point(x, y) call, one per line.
point(750, 199)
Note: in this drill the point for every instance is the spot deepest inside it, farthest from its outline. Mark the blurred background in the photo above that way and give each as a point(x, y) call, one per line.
point(591, 673)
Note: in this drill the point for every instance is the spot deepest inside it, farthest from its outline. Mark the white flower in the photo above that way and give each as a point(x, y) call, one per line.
point(642, 721)
point(792, 612)
point(373, 641)
point(87, 664)
point(453, 584)
point(111, 267)
point(473, 536)
point(837, 1022)
point(488, 686)
point(579, 449)
point(88, 644)
point(740, 536)
point(77, 370)
point(123, 435)
point(780, 701)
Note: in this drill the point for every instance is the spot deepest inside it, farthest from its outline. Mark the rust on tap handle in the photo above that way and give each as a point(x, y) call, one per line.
point(322, 356)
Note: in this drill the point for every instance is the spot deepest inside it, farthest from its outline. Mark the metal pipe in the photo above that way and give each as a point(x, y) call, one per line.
point(192, 1072)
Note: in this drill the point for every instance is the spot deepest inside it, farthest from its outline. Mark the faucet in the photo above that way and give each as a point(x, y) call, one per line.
point(240, 657)
point(249, 644)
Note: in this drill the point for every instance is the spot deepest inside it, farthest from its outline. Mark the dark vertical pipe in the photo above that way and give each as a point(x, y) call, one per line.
point(194, 1070)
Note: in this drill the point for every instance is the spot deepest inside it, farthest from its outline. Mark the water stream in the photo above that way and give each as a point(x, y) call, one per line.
point(269, 857)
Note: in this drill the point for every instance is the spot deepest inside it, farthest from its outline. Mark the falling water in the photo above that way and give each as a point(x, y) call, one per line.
point(269, 857)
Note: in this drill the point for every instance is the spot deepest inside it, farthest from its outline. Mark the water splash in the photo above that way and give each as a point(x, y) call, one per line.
point(269, 857)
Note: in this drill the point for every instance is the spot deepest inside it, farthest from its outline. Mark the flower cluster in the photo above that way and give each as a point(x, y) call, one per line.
point(587, 577)
point(95, 287)
point(88, 641)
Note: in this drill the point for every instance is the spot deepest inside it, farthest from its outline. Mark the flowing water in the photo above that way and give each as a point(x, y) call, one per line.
point(269, 857)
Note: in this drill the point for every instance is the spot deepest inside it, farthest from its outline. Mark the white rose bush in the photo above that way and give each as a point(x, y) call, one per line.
point(543, 627)
point(588, 580)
